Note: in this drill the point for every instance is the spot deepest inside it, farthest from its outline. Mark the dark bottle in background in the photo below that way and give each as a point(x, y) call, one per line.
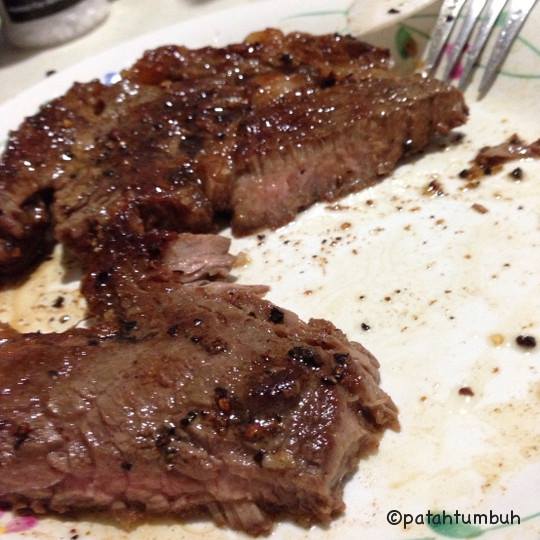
point(41, 23)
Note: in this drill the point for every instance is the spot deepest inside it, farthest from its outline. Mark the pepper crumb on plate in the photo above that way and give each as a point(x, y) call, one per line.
point(526, 342)
point(480, 208)
point(517, 173)
point(434, 189)
point(59, 302)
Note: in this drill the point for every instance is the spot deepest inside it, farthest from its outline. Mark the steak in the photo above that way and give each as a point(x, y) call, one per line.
point(253, 133)
point(219, 403)
point(189, 393)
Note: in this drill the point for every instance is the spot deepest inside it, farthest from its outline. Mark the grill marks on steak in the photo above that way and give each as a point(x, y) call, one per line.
point(211, 405)
point(181, 139)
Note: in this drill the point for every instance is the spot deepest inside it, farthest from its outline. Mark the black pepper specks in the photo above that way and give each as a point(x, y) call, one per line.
point(102, 278)
point(59, 302)
point(173, 330)
point(188, 419)
point(220, 392)
point(526, 342)
point(341, 358)
point(329, 81)
point(276, 315)
point(286, 59)
point(517, 173)
point(305, 356)
point(128, 326)
point(365, 327)
point(164, 436)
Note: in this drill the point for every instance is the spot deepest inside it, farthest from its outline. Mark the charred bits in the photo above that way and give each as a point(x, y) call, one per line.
point(188, 419)
point(305, 356)
point(526, 342)
point(276, 315)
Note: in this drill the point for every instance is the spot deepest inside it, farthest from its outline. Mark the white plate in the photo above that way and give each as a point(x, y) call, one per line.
point(433, 278)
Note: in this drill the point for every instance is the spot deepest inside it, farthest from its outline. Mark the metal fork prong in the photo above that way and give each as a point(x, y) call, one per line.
point(519, 9)
point(489, 16)
point(472, 10)
point(445, 22)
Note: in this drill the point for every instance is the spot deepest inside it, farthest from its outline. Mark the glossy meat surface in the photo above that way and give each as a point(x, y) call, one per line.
point(180, 138)
point(219, 403)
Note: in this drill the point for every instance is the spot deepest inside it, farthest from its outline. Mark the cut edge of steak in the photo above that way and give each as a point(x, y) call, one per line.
point(221, 402)
point(342, 139)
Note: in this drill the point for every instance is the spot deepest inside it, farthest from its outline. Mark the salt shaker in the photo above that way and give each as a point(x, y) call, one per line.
point(40, 23)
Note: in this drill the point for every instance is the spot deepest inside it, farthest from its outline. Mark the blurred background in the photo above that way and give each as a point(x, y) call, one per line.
point(83, 28)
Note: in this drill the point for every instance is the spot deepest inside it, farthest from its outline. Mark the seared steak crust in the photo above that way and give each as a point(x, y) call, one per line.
point(181, 138)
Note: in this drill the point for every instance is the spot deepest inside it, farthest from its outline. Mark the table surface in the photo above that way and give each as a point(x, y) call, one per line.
point(21, 68)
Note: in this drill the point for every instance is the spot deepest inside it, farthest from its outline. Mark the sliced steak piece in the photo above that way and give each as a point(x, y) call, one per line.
point(198, 256)
point(97, 145)
point(229, 405)
point(319, 146)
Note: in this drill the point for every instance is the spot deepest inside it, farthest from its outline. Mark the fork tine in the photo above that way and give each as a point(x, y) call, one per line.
point(491, 11)
point(472, 10)
point(519, 9)
point(445, 22)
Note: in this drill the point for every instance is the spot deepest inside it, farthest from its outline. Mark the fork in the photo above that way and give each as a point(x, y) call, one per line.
point(478, 20)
